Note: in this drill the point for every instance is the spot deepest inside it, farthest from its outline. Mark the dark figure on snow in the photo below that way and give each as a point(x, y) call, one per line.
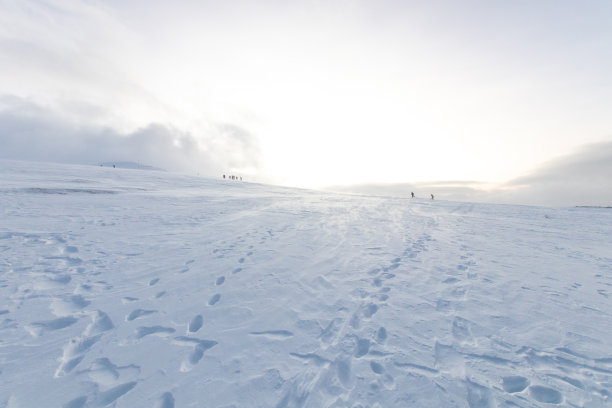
point(412, 194)
point(432, 196)
point(224, 177)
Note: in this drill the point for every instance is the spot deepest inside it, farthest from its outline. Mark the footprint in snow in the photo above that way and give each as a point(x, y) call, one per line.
point(312, 358)
point(362, 348)
point(109, 396)
point(37, 328)
point(137, 313)
point(273, 334)
point(380, 296)
point(462, 329)
point(73, 354)
point(103, 371)
point(386, 379)
point(67, 305)
point(213, 300)
point(377, 367)
point(343, 371)
point(328, 334)
point(153, 281)
point(75, 350)
point(195, 324)
point(392, 267)
point(165, 401)
point(514, 383)
point(369, 310)
point(78, 402)
point(545, 395)
point(197, 353)
point(186, 268)
point(100, 322)
point(220, 280)
point(381, 335)
point(478, 395)
point(355, 321)
point(153, 330)
point(52, 281)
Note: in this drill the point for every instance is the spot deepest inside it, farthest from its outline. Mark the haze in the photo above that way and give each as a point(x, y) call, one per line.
point(511, 97)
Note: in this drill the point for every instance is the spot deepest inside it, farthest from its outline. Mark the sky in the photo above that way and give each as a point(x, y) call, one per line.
point(493, 94)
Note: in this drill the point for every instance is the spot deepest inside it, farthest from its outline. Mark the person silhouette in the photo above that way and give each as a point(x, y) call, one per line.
point(412, 194)
point(432, 196)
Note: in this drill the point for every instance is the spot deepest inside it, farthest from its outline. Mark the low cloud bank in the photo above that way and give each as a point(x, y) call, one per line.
point(31, 132)
point(581, 178)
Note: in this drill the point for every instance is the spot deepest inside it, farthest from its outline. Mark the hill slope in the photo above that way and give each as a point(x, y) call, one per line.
point(127, 288)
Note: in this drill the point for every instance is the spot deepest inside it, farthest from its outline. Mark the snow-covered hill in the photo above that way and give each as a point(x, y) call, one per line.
point(130, 165)
point(133, 288)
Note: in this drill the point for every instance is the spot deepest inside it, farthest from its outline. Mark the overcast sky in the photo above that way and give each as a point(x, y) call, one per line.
point(315, 93)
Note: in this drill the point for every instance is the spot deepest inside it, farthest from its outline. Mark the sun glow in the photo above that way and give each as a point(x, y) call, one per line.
point(325, 93)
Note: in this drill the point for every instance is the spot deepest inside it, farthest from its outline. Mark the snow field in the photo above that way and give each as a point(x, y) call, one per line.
point(132, 288)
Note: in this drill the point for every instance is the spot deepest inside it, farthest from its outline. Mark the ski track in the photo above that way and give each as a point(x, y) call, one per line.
point(174, 287)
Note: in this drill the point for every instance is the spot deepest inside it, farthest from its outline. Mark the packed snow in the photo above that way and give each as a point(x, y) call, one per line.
point(134, 288)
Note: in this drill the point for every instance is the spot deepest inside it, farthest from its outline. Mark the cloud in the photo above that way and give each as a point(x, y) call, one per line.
point(29, 131)
point(581, 178)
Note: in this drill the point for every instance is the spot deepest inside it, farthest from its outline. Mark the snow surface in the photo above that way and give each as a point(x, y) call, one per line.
point(132, 288)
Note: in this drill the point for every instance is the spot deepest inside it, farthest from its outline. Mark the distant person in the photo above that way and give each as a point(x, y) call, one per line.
point(412, 194)
point(224, 177)
point(432, 196)
point(113, 166)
